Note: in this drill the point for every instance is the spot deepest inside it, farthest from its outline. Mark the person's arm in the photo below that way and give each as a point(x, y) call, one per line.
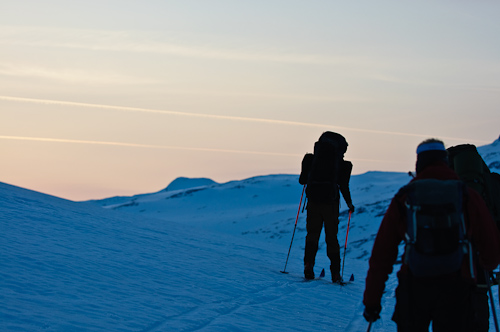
point(343, 182)
point(384, 254)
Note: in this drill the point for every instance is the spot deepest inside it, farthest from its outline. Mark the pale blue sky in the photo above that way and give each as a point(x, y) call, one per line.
point(103, 98)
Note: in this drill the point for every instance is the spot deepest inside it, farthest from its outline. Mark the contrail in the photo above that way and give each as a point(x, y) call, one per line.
point(166, 147)
point(149, 146)
point(228, 117)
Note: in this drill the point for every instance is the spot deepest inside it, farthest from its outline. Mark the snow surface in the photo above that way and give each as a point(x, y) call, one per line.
point(203, 257)
point(491, 155)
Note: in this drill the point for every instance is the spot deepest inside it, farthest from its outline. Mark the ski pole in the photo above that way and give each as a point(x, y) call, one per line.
point(493, 310)
point(345, 245)
point(293, 234)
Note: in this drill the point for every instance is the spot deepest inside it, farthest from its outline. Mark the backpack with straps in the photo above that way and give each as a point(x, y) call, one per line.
point(471, 168)
point(436, 241)
point(320, 171)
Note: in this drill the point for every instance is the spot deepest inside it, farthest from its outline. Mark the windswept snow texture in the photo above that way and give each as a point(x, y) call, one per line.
point(206, 257)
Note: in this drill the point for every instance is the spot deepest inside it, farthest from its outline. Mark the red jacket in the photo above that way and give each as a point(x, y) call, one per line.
point(481, 229)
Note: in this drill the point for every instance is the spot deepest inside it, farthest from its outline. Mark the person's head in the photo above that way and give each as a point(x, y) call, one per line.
point(429, 152)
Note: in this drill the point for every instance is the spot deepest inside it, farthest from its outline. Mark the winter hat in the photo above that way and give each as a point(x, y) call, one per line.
point(429, 152)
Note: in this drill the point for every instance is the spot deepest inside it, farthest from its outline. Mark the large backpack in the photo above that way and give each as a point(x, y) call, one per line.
point(436, 239)
point(322, 168)
point(471, 168)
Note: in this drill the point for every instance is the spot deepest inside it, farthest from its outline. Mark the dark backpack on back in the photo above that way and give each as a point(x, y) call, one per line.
point(436, 235)
point(471, 168)
point(322, 168)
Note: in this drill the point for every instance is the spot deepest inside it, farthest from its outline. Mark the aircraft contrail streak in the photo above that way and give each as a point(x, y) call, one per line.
point(227, 117)
point(167, 147)
point(135, 145)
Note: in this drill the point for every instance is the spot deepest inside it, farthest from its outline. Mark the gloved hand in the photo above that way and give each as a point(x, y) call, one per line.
point(351, 207)
point(371, 314)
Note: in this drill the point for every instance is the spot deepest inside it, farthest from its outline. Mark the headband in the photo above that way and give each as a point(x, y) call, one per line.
point(432, 146)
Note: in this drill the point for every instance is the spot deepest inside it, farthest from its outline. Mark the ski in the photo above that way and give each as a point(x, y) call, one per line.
point(321, 276)
point(343, 283)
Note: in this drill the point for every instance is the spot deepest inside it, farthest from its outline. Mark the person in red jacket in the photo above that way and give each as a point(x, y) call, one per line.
point(444, 300)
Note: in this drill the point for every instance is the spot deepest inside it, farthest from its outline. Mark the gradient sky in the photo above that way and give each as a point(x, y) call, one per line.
point(113, 97)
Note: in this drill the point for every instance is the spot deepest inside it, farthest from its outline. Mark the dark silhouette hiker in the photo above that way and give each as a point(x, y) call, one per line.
point(325, 173)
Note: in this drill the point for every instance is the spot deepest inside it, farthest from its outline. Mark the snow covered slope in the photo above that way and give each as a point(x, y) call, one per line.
point(206, 257)
point(491, 155)
point(263, 207)
point(69, 266)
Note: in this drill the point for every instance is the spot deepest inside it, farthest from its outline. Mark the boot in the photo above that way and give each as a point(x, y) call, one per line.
point(336, 278)
point(308, 271)
point(334, 269)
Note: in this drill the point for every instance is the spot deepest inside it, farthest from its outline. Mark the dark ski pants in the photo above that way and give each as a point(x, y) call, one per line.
point(446, 303)
point(319, 214)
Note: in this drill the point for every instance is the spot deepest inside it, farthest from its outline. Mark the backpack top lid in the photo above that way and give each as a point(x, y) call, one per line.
point(466, 161)
point(471, 168)
point(335, 139)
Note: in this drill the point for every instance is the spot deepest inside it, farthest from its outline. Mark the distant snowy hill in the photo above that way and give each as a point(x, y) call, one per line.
point(186, 183)
point(180, 183)
point(491, 155)
point(196, 256)
point(261, 207)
